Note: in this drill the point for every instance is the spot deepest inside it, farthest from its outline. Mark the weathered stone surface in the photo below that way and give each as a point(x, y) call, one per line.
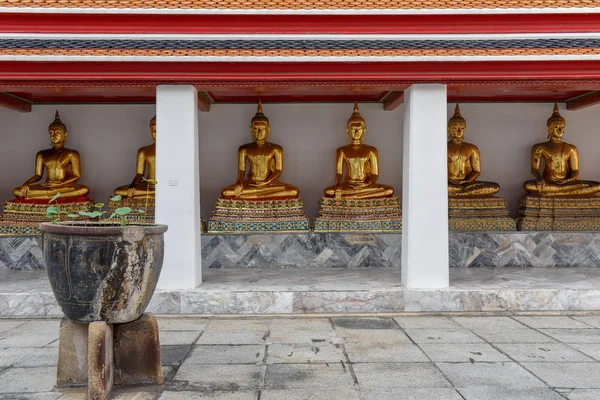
point(72, 367)
point(137, 352)
point(100, 360)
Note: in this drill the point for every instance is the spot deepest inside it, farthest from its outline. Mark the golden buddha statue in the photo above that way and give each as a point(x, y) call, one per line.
point(561, 165)
point(362, 164)
point(62, 166)
point(464, 165)
point(266, 166)
point(140, 188)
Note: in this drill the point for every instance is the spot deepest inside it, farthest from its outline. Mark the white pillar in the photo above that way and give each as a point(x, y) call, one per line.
point(178, 188)
point(425, 261)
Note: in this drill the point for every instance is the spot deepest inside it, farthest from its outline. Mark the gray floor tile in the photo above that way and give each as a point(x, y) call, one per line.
point(51, 326)
point(384, 352)
point(240, 331)
point(426, 322)
point(308, 376)
point(217, 377)
point(539, 322)
point(10, 356)
point(309, 394)
point(45, 357)
point(305, 353)
point(133, 394)
point(226, 354)
point(542, 352)
point(27, 380)
point(389, 336)
point(27, 340)
point(497, 374)
point(523, 335)
point(247, 395)
point(488, 323)
point(32, 396)
point(454, 335)
point(591, 349)
point(399, 375)
point(364, 323)
point(574, 335)
point(178, 338)
point(409, 394)
point(182, 324)
point(567, 375)
point(300, 331)
point(592, 320)
point(462, 352)
point(173, 355)
point(583, 394)
point(504, 393)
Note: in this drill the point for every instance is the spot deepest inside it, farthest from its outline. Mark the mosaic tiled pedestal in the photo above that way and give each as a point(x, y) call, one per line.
point(346, 250)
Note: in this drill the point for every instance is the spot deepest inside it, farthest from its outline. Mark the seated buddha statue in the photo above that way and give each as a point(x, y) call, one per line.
point(561, 165)
point(362, 164)
point(266, 165)
point(464, 165)
point(62, 166)
point(146, 156)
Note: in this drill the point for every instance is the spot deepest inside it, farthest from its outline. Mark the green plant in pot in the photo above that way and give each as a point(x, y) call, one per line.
point(102, 269)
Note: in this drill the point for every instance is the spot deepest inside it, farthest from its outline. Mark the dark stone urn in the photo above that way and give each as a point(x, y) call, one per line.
point(103, 273)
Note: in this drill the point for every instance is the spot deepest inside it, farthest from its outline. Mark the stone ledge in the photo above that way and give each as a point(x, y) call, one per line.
point(294, 291)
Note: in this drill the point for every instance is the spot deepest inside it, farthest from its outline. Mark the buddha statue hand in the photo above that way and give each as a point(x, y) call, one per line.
point(24, 191)
point(130, 192)
point(239, 187)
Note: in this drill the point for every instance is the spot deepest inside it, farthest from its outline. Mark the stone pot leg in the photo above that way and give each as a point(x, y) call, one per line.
point(100, 360)
point(72, 354)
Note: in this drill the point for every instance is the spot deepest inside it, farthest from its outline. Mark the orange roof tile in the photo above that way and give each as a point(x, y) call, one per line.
point(299, 53)
point(302, 4)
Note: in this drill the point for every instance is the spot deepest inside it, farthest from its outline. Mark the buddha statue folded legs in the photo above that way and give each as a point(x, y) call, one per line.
point(63, 169)
point(471, 203)
point(357, 202)
point(258, 200)
point(556, 199)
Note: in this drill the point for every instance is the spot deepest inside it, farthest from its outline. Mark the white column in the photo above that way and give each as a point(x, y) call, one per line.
point(425, 261)
point(178, 188)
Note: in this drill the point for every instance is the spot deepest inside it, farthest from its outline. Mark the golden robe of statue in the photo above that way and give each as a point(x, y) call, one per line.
point(146, 156)
point(561, 165)
point(62, 166)
point(464, 164)
point(362, 165)
point(266, 165)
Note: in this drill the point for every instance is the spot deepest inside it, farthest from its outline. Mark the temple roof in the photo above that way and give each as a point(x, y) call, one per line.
point(302, 5)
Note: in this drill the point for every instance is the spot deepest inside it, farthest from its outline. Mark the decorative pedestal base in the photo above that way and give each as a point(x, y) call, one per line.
point(241, 216)
point(357, 215)
point(99, 355)
point(135, 205)
point(22, 217)
point(539, 213)
point(479, 214)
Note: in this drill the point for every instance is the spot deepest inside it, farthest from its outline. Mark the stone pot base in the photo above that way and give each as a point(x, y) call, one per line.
point(101, 355)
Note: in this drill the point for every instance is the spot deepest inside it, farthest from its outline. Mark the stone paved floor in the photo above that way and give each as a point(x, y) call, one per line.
point(548, 357)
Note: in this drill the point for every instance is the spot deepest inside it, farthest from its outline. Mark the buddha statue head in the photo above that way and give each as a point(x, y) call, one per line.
point(555, 125)
point(259, 126)
point(456, 126)
point(153, 128)
point(57, 131)
point(356, 128)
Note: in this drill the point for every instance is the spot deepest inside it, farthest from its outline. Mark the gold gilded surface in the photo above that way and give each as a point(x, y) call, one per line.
point(145, 161)
point(561, 165)
point(266, 165)
point(464, 163)
point(567, 213)
point(479, 214)
point(62, 166)
point(361, 163)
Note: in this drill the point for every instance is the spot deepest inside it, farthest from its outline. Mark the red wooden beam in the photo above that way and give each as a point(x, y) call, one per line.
point(14, 103)
point(203, 102)
point(206, 74)
point(579, 102)
point(393, 100)
point(279, 24)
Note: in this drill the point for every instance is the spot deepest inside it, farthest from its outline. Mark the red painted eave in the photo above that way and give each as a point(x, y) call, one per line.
point(297, 24)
